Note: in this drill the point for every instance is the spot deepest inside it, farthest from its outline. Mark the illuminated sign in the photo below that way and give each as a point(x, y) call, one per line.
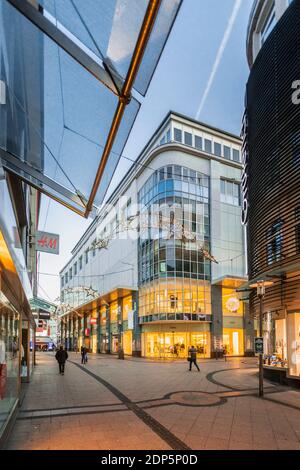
point(233, 304)
point(93, 321)
point(47, 242)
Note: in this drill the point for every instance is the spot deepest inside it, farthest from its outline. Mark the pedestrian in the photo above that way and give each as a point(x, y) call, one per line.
point(61, 356)
point(83, 354)
point(225, 352)
point(193, 358)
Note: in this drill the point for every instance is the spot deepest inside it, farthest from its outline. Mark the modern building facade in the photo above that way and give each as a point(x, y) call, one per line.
point(157, 269)
point(271, 179)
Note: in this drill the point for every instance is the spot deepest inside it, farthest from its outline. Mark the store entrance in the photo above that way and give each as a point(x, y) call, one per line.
point(176, 345)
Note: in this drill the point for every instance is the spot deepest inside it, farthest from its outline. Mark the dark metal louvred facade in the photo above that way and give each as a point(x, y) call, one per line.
point(274, 163)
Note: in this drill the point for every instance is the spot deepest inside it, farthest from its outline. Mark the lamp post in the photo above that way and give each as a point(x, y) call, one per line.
point(260, 292)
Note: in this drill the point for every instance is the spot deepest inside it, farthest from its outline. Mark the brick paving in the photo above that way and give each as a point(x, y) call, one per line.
point(134, 404)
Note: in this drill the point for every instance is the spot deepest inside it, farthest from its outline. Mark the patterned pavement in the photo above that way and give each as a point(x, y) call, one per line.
point(134, 404)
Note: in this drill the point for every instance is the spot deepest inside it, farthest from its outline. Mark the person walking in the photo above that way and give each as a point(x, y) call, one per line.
point(193, 358)
point(61, 356)
point(83, 355)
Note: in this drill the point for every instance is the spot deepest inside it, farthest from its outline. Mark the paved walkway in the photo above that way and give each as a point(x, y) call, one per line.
point(110, 404)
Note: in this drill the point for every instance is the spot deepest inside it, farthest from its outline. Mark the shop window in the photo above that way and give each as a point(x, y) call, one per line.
point(293, 336)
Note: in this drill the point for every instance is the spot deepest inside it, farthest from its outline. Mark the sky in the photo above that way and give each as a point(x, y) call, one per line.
point(202, 73)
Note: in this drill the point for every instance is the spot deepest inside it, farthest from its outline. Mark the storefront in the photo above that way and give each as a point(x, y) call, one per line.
point(233, 322)
point(282, 346)
point(174, 340)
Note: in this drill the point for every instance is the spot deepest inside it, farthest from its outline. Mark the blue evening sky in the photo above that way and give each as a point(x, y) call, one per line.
point(178, 84)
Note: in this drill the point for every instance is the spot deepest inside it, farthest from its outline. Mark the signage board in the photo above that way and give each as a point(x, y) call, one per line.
point(93, 321)
point(43, 315)
point(258, 345)
point(47, 242)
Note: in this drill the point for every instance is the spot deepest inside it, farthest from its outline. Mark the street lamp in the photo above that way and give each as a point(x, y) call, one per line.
point(260, 287)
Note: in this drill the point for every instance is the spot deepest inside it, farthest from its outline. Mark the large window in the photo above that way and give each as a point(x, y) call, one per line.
point(177, 135)
point(188, 138)
point(269, 24)
point(198, 142)
point(230, 192)
point(227, 152)
point(208, 146)
point(274, 242)
point(218, 149)
point(236, 155)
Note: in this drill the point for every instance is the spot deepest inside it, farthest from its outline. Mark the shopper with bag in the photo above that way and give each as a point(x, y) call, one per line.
point(193, 358)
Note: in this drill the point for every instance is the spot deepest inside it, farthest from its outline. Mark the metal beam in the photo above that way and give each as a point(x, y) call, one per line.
point(142, 41)
point(38, 180)
point(105, 75)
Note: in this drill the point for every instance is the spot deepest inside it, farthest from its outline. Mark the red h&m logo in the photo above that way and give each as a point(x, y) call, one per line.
point(47, 242)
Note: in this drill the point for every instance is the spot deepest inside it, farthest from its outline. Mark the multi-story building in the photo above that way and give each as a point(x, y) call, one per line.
point(271, 183)
point(157, 269)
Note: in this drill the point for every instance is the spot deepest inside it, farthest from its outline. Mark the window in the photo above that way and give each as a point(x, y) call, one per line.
point(218, 149)
point(66, 278)
point(177, 135)
point(162, 141)
point(227, 152)
point(80, 263)
point(188, 138)
point(70, 273)
point(268, 25)
point(230, 193)
point(236, 155)
point(75, 268)
point(62, 281)
point(95, 241)
point(161, 174)
point(198, 142)
point(169, 135)
point(169, 172)
point(86, 256)
point(208, 146)
point(274, 245)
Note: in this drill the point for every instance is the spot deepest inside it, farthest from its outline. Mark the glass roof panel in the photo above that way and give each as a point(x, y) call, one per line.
point(162, 27)
point(109, 28)
point(57, 116)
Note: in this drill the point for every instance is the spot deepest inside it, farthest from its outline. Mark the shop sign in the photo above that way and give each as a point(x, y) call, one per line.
point(43, 315)
point(245, 176)
point(258, 345)
point(93, 321)
point(47, 242)
point(130, 319)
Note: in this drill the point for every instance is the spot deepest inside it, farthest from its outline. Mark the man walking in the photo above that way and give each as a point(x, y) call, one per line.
point(193, 357)
point(83, 355)
point(61, 356)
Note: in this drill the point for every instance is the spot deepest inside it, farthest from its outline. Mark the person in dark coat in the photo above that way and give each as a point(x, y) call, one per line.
point(193, 357)
point(83, 354)
point(61, 356)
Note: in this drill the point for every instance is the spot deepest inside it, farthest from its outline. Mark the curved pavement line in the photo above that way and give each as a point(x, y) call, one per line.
point(153, 424)
point(210, 378)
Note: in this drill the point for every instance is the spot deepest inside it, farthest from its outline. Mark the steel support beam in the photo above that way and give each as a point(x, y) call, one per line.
point(105, 75)
point(38, 180)
point(142, 41)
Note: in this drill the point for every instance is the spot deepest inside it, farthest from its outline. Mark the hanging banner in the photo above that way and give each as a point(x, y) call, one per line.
point(130, 319)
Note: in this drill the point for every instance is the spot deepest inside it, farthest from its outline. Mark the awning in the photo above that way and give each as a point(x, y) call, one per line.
point(67, 74)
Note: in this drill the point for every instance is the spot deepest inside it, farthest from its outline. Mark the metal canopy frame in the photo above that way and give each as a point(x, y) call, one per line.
point(105, 74)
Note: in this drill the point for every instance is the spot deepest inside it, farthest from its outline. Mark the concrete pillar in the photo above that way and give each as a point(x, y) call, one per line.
point(217, 319)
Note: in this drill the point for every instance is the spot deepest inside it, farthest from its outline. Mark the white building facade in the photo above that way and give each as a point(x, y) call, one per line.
point(156, 271)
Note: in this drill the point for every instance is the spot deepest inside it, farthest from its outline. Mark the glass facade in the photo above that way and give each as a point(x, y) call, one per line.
point(9, 358)
point(174, 276)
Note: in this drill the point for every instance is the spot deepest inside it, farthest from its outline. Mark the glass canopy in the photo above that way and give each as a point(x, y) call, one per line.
point(67, 69)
